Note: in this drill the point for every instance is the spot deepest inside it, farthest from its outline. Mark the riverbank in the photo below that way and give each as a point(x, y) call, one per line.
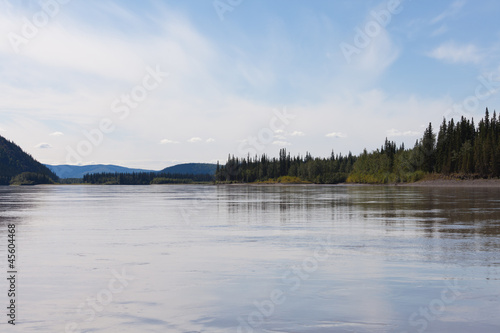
point(429, 180)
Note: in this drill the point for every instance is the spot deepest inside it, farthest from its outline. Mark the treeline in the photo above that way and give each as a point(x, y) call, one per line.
point(390, 164)
point(145, 178)
point(70, 181)
point(463, 148)
point(332, 170)
point(460, 149)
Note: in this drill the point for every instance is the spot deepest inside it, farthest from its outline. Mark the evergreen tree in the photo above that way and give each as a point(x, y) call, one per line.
point(428, 149)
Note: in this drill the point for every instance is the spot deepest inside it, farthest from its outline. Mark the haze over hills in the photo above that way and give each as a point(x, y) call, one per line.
point(76, 171)
point(14, 161)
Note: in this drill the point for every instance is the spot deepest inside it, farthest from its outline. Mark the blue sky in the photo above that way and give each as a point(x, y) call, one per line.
point(347, 74)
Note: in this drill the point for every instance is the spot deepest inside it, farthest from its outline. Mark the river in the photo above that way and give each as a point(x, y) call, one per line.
point(251, 259)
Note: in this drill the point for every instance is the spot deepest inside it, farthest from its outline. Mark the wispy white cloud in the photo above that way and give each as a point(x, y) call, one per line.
point(379, 53)
point(281, 143)
point(167, 141)
point(394, 133)
point(297, 133)
point(210, 140)
point(77, 51)
point(439, 31)
point(451, 11)
point(195, 140)
point(453, 53)
point(56, 134)
point(336, 135)
point(43, 145)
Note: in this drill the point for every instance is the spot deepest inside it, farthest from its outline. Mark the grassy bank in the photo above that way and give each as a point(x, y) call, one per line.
point(284, 180)
point(385, 178)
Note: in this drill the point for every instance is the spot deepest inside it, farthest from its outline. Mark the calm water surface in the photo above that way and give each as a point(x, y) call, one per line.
point(253, 259)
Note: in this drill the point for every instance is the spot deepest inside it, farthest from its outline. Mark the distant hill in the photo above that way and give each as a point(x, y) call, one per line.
point(14, 161)
point(77, 171)
point(192, 168)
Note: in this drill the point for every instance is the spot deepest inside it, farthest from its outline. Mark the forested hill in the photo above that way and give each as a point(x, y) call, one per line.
point(460, 150)
point(78, 171)
point(14, 162)
point(191, 168)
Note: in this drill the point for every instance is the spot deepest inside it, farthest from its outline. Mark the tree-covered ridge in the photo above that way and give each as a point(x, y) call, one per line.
point(191, 168)
point(14, 161)
point(145, 178)
point(332, 170)
point(460, 148)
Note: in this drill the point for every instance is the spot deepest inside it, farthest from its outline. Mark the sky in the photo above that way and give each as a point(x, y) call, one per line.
point(150, 84)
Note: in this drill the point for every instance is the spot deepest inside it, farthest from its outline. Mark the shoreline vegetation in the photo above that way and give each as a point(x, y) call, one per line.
point(461, 154)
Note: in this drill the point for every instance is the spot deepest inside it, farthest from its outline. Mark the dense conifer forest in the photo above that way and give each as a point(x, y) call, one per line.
point(332, 170)
point(145, 178)
point(460, 149)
